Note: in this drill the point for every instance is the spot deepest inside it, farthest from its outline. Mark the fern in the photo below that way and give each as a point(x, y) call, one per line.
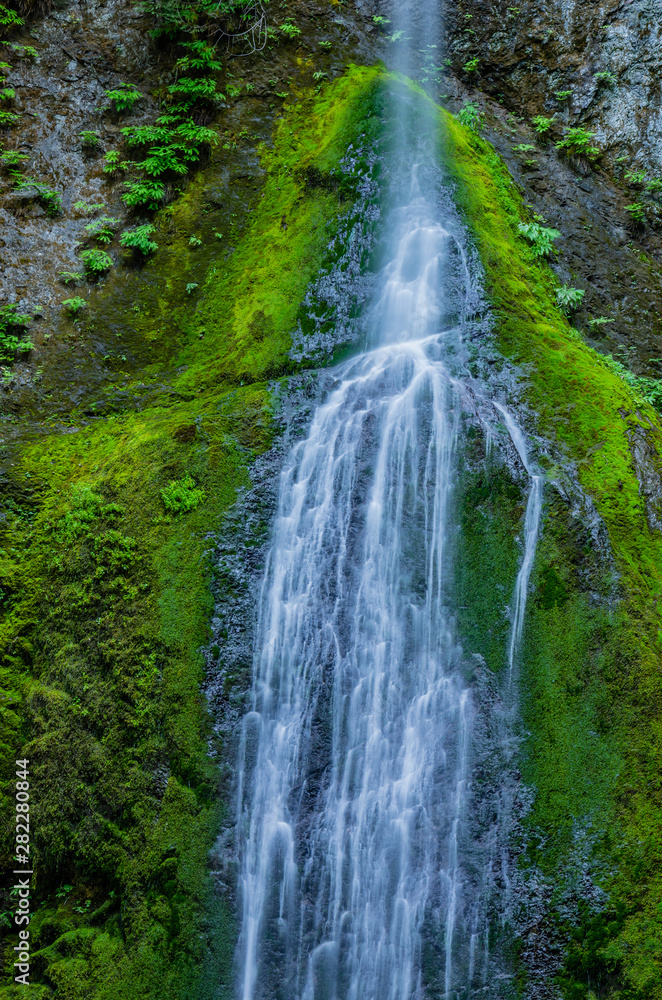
point(165, 159)
point(103, 230)
point(12, 333)
point(198, 134)
point(113, 163)
point(144, 135)
point(191, 87)
point(75, 305)
point(96, 262)
point(9, 18)
point(145, 194)
point(124, 98)
point(203, 57)
point(49, 200)
point(139, 239)
point(541, 237)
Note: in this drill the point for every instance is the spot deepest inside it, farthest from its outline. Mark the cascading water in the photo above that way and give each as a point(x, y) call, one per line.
point(355, 757)
point(531, 526)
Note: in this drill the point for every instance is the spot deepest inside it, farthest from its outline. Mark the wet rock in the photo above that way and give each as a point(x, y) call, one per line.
point(647, 466)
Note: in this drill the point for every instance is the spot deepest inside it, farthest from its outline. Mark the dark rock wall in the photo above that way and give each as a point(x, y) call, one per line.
point(530, 50)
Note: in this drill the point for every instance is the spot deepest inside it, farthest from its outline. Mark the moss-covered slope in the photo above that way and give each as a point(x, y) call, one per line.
point(592, 672)
point(106, 599)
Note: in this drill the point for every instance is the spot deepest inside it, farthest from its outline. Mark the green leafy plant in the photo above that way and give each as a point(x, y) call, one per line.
point(290, 30)
point(196, 135)
point(562, 95)
point(569, 299)
point(578, 141)
point(13, 326)
point(604, 76)
point(145, 194)
point(181, 495)
point(472, 65)
point(378, 20)
point(7, 94)
point(89, 139)
point(124, 97)
point(192, 89)
point(24, 51)
point(113, 163)
point(86, 209)
point(471, 117)
point(599, 321)
point(650, 389)
point(9, 18)
point(8, 118)
point(138, 239)
point(96, 262)
point(103, 230)
point(167, 159)
point(635, 177)
point(74, 306)
point(541, 237)
point(542, 124)
point(524, 147)
point(71, 277)
point(11, 159)
point(232, 16)
point(172, 146)
point(49, 199)
point(195, 241)
point(200, 56)
point(654, 186)
point(191, 287)
point(320, 75)
point(637, 212)
point(232, 91)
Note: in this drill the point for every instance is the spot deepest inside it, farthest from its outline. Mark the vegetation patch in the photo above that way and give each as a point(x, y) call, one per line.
point(105, 593)
point(593, 687)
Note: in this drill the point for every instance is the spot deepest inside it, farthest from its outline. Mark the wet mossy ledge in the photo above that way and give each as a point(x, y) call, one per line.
point(591, 677)
point(106, 593)
point(106, 596)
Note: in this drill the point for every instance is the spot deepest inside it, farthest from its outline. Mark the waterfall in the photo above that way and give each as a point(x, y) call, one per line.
point(531, 527)
point(354, 771)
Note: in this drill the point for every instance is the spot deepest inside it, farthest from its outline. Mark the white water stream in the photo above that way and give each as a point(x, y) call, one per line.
point(355, 757)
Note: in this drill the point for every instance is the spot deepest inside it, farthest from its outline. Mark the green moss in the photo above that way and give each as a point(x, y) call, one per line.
point(106, 596)
point(250, 309)
point(487, 558)
point(113, 604)
point(592, 695)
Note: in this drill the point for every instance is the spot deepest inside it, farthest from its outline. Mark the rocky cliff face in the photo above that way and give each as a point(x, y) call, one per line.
point(605, 57)
point(59, 67)
point(580, 66)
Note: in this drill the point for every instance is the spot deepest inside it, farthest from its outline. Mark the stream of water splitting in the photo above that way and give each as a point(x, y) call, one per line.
point(354, 771)
point(531, 528)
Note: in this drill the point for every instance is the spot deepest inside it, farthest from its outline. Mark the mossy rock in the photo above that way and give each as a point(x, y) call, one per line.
point(106, 596)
